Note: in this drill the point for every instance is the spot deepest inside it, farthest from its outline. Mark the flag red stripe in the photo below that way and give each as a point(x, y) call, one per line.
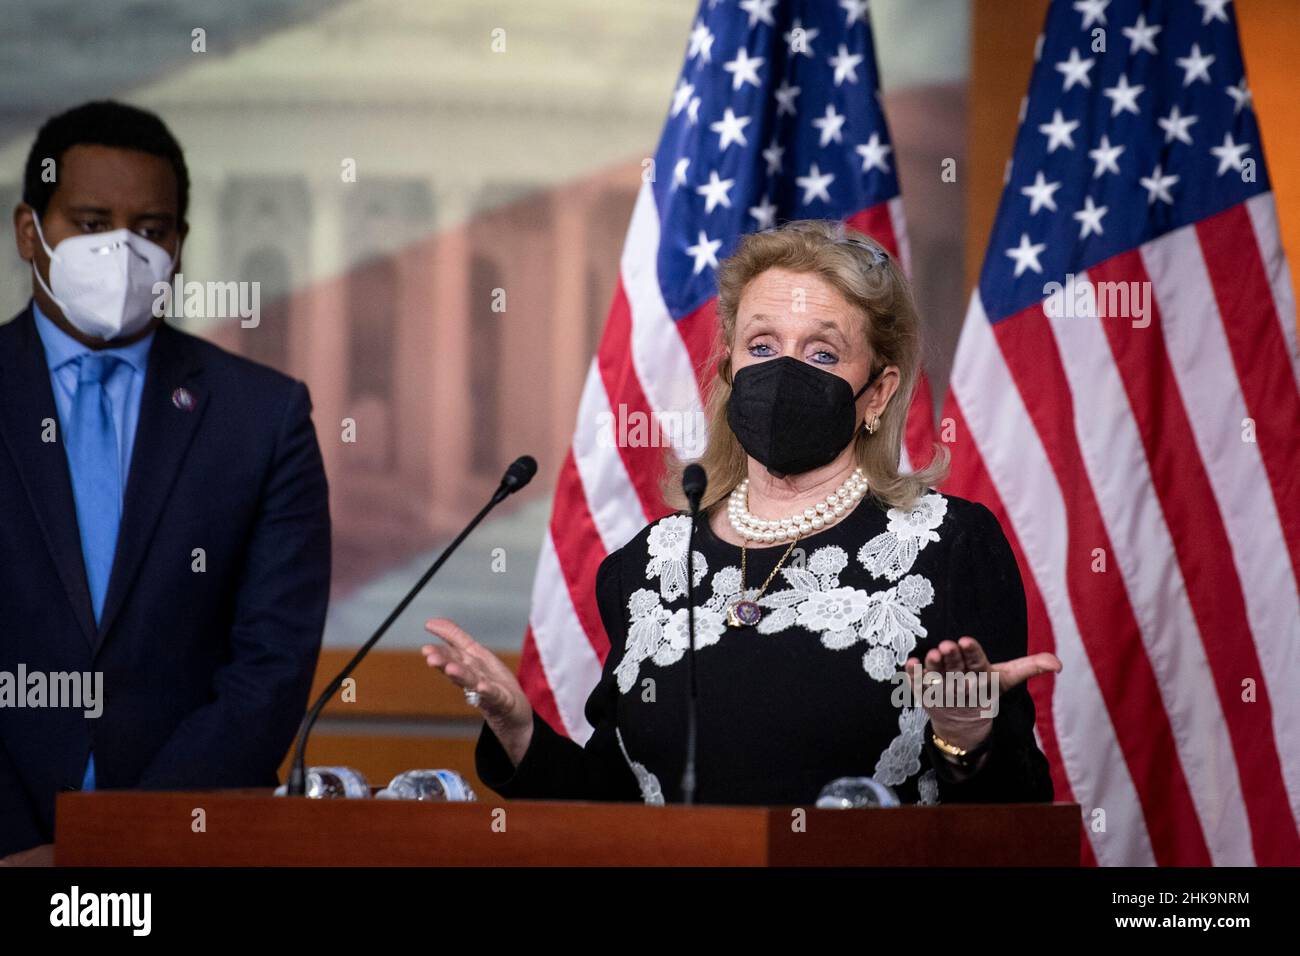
point(874, 221)
point(918, 434)
point(1107, 624)
point(1204, 553)
point(1254, 332)
point(701, 335)
point(969, 474)
point(579, 551)
point(644, 461)
point(532, 679)
point(919, 431)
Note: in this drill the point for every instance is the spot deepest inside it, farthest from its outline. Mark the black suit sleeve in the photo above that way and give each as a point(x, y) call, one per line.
point(555, 767)
point(260, 692)
point(989, 605)
point(19, 829)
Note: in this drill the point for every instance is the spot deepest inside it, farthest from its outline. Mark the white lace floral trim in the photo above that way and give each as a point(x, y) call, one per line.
point(667, 546)
point(927, 788)
point(887, 621)
point(902, 758)
point(662, 636)
point(651, 792)
point(892, 552)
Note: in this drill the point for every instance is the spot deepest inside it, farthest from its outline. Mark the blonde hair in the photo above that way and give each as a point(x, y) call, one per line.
point(871, 281)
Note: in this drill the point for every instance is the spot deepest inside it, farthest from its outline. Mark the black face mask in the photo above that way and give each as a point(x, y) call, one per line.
point(792, 416)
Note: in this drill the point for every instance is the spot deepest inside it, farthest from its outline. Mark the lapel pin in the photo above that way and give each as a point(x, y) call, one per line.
point(183, 399)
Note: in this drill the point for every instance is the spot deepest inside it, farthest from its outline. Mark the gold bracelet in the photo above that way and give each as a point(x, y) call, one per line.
point(947, 747)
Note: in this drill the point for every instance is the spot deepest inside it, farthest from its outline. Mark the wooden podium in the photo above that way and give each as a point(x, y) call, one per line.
point(253, 828)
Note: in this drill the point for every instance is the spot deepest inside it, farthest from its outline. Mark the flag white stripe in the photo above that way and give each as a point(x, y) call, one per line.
point(1115, 460)
point(899, 221)
point(904, 460)
point(612, 501)
point(1263, 217)
point(1017, 462)
point(659, 355)
point(1202, 363)
point(571, 666)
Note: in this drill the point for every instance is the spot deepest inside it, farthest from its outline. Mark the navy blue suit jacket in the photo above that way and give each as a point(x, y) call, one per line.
point(205, 672)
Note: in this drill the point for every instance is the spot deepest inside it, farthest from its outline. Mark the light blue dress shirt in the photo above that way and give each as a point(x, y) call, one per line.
point(62, 353)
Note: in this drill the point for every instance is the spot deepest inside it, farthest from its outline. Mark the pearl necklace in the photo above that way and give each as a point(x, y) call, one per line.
point(825, 512)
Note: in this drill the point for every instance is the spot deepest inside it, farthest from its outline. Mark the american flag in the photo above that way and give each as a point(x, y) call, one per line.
point(776, 116)
point(1143, 455)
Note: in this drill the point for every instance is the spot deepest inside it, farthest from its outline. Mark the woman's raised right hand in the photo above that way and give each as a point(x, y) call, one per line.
point(472, 667)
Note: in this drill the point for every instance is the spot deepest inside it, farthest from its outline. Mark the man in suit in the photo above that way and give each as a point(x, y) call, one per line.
point(164, 522)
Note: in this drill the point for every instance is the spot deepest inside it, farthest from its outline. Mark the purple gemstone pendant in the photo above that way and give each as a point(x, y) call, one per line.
point(744, 614)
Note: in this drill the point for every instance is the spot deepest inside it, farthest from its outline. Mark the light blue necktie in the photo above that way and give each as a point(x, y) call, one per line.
point(95, 461)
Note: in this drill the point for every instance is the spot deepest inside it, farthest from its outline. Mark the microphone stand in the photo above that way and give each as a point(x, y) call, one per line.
point(693, 483)
point(296, 786)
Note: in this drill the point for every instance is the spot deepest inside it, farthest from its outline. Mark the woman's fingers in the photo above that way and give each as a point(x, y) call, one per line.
point(451, 632)
point(947, 656)
point(462, 648)
point(466, 676)
point(973, 656)
point(967, 656)
point(436, 656)
point(440, 657)
point(1013, 673)
point(466, 647)
point(459, 641)
point(459, 670)
point(473, 667)
point(493, 698)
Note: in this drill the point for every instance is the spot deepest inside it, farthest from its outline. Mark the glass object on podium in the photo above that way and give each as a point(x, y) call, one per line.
point(850, 793)
point(434, 785)
point(333, 783)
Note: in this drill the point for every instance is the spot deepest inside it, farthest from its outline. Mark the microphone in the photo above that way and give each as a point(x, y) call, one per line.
point(519, 473)
point(694, 481)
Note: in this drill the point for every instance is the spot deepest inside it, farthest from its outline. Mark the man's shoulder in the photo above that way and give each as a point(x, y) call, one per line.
point(12, 328)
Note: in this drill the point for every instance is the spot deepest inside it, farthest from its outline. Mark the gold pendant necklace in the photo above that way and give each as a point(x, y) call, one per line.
point(746, 612)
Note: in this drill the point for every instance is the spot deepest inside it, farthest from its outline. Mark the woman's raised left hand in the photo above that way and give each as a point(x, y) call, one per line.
point(967, 725)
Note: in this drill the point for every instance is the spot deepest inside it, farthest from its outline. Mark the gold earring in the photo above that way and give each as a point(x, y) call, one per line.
point(871, 426)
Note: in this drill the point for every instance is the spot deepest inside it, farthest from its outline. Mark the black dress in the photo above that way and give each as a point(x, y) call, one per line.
point(804, 696)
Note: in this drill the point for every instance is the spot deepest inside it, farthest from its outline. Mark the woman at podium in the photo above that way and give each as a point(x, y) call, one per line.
point(850, 621)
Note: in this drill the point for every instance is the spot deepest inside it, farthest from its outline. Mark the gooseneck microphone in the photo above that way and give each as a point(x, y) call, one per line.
point(694, 481)
point(519, 473)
